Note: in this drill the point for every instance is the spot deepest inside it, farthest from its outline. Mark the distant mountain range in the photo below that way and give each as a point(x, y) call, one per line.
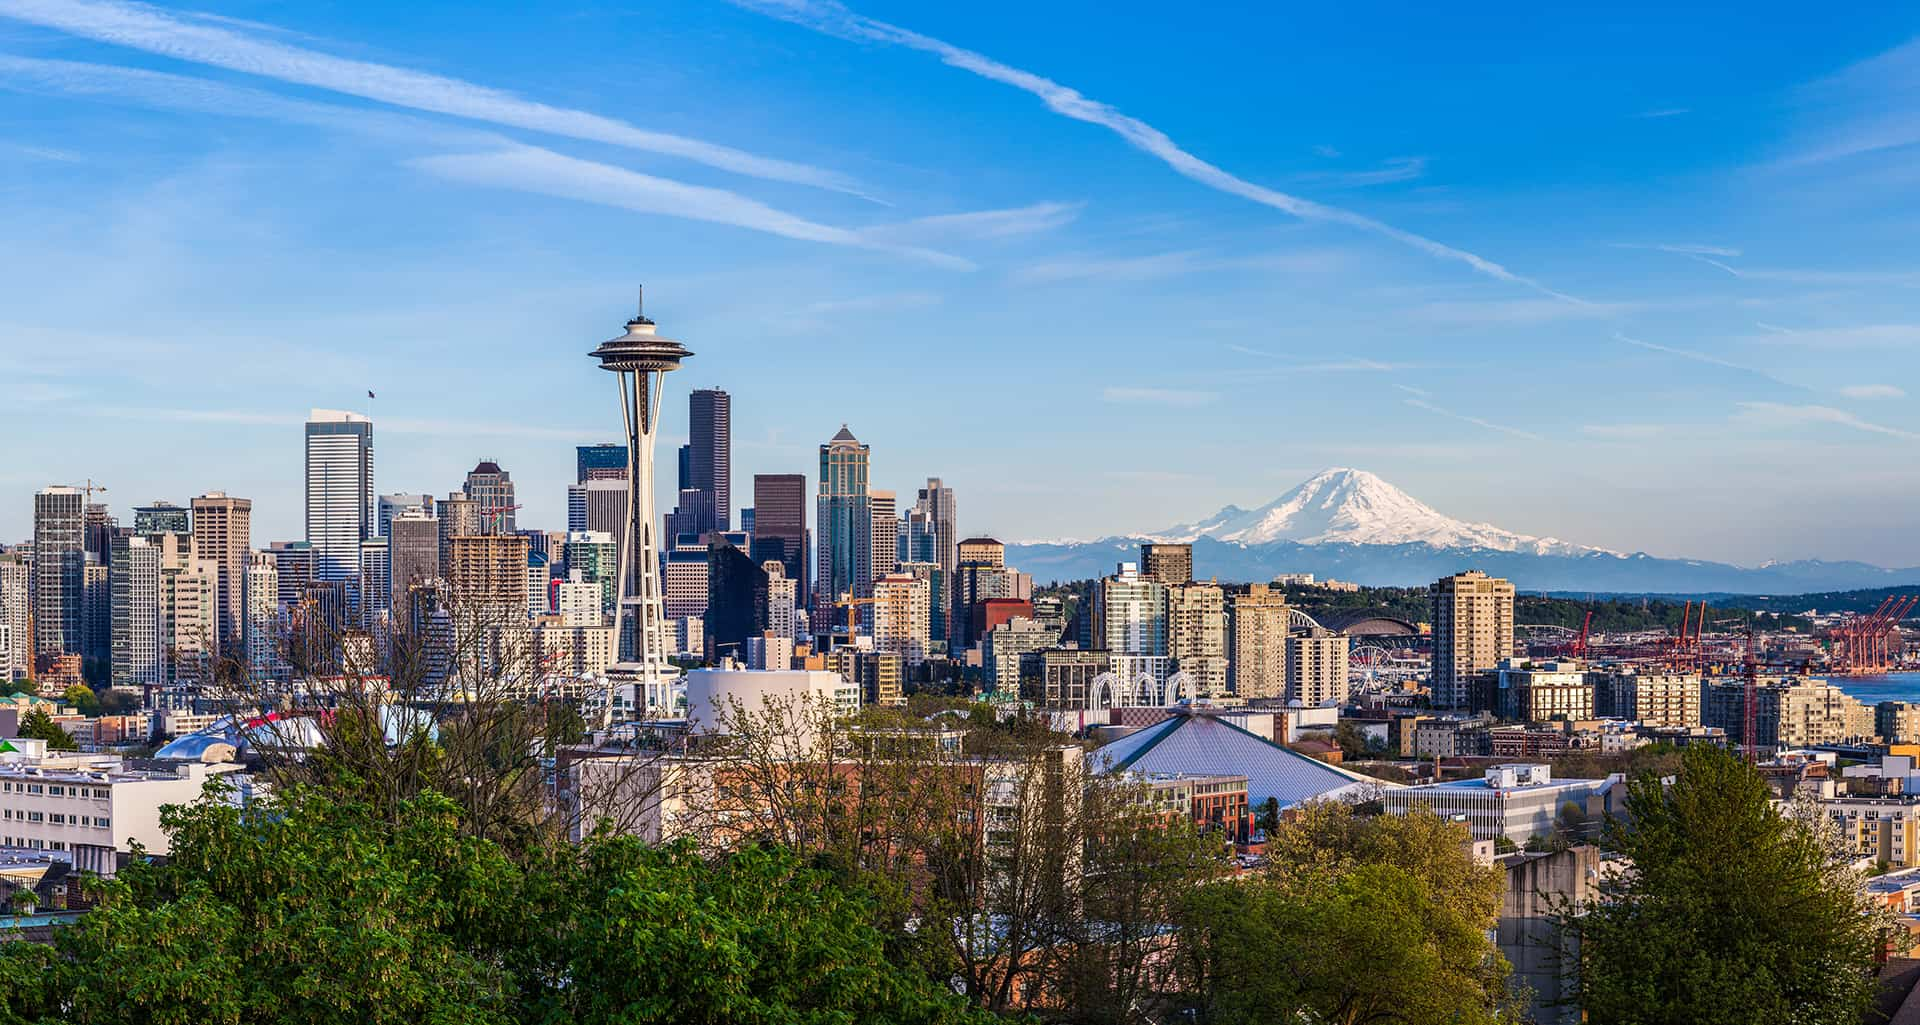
point(1351, 525)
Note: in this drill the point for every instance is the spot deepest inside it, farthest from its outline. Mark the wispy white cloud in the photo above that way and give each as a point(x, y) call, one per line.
point(141, 27)
point(1515, 311)
point(1700, 357)
point(832, 18)
point(1682, 248)
point(1013, 222)
point(1326, 151)
point(1411, 390)
point(1868, 107)
point(1173, 264)
point(48, 153)
point(1873, 391)
point(530, 169)
point(1396, 169)
point(1474, 420)
point(1783, 415)
point(1814, 276)
point(1664, 112)
point(1159, 396)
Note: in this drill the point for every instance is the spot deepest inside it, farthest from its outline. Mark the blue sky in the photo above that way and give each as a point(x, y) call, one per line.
point(1642, 278)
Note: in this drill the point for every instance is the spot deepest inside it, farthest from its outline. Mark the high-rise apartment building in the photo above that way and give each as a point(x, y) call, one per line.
point(710, 454)
point(59, 571)
point(1472, 631)
point(340, 496)
point(293, 565)
point(886, 534)
point(1006, 648)
point(1171, 564)
point(1197, 635)
point(491, 490)
point(1259, 624)
point(980, 575)
point(939, 596)
point(16, 612)
point(605, 461)
point(684, 581)
point(487, 579)
point(845, 521)
point(780, 524)
point(376, 583)
point(1130, 624)
point(1317, 668)
point(606, 499)
point(459, 516)
point(938, 512)
point(138, 653)
point(982, 551)
point(266, 626)
point(592, 556)
point(900, 625)
point(223, 536)
point(783, 601)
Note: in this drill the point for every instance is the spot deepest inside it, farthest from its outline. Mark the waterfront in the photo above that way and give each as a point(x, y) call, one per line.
point(1872, 690)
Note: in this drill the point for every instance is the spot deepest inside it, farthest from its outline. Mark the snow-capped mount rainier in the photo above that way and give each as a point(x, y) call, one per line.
point(1351, 525)
point(1347, 506)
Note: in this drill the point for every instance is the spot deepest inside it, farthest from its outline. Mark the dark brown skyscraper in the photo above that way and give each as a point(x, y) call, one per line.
point(710, 455)
point(780, 518)
point(1170, 564)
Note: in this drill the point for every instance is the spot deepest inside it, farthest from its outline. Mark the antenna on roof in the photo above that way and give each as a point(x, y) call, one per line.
point(639, 300)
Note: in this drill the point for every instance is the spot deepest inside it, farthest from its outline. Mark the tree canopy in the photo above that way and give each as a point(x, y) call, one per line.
point(38, 725)
point(1731, 911)
point(310, 909)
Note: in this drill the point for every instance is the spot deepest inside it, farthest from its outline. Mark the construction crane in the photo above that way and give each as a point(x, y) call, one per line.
point(89, 487)
point(490, 516)
point(1865, 644)
point(852, 605)
point(1580, 643)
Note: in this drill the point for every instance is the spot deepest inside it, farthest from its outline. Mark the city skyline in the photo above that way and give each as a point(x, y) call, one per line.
point(1361, 259)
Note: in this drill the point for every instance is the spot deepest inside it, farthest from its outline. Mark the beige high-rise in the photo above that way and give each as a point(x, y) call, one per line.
point(1472, 630)
point(1171, 564)
point(1197, 635)
point(1259, 622)
point(223, 536)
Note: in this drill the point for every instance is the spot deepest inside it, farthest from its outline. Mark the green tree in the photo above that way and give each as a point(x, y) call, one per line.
point(82, 698)
point(310, 909)
point(38, 725)
point(1359, 921)
point(1730, 913)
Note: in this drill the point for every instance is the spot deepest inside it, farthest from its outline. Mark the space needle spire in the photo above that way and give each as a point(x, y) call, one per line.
point(640, 359)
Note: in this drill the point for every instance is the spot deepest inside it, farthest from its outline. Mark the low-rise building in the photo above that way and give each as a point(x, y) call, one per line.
point(1517, 801)
point(92, 807)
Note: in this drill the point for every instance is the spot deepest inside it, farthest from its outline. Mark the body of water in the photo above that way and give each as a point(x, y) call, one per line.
point(1872, 690)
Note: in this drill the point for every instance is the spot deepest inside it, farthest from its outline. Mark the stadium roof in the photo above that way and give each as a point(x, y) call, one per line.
point(1202, 743)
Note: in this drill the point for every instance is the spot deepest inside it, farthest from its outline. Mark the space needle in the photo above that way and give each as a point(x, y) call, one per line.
point(640, 358)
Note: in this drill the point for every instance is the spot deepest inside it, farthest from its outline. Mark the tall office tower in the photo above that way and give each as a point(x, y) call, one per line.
point(1130, 623)
point(16, 612)
point(340, 498)
point(692, 515)
point(491, 489)
point(607, 510)
point(937, 507)
point(783, 600)
point(266, 629)
point(780, 524)
point(96, 619)
point(746, 520)
point(413, 551)
point(900, 624)
point(886, 534)
point(605, 461)
point(981, 551)
point(539, 579)
point(736, 598)
point(138, 656)
point(161, 518)
point(1472, 630)
point(459, 517)
point(684, 585)
point(845, 524)
point(223, 535)
point(376, 583)
point(710, 453)
point(1171, 564)
point(190, 614)
point(576, 507)
point(394, 505)
point(59, 571)
point(293, 564)
point(1317, 668)
point(979, 574)
point(919, 538)
point(1197, 635)
point(642, 359)
point(1259, 623)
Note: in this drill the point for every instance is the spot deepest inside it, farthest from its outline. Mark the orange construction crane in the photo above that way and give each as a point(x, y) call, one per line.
point(490, 516)
point(852, 605)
